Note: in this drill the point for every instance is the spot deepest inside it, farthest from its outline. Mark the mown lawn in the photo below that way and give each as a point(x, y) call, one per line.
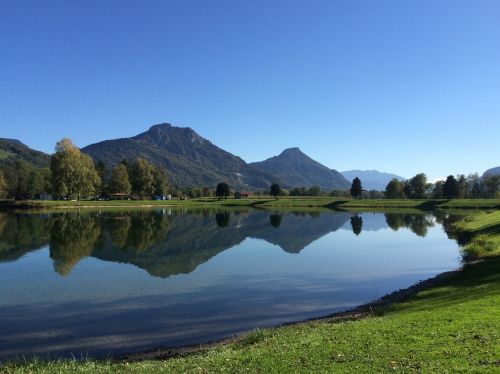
point(452, 327)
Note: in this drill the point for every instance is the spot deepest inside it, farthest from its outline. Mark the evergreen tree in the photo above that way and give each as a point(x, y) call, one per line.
point(356, 224)
point(356, 188)
point(450, 187)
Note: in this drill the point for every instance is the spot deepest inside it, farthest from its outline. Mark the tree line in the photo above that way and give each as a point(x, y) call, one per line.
point(74, 175)
point(454, 187)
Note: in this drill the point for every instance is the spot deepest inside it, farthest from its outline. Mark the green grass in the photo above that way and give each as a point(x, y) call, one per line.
point(482, 231)
point(320, 202)
point(453, 327)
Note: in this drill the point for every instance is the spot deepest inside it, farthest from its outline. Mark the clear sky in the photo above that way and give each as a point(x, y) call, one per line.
point(398, 86)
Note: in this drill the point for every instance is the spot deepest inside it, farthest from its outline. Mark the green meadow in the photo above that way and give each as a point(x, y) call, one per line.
point(313, 202)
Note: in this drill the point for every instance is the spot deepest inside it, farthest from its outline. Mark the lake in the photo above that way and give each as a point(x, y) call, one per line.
point(96, 283)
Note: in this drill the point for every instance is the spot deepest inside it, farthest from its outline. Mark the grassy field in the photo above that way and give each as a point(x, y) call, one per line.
point(454, 327)
point(268, 202)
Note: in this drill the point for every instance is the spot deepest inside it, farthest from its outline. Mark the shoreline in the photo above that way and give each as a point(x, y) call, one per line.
point(264, 202)
point(353, 314)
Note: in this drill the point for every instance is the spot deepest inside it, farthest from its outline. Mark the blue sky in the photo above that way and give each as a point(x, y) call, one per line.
point(397, 86)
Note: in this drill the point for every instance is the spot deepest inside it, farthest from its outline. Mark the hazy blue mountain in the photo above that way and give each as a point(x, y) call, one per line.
point(371, 179)
point(190, 159)
point(296, 169)
point(13, 149)
point(492, 171)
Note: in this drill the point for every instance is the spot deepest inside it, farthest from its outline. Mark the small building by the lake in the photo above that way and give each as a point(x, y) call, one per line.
point(241, 195)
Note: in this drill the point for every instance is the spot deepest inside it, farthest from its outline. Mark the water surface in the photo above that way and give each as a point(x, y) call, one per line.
point(105, 282)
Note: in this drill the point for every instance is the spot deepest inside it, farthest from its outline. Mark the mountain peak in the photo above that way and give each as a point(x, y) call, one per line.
point(161, 126)
point(13, 141)
point(296, 169)
point(292, 149)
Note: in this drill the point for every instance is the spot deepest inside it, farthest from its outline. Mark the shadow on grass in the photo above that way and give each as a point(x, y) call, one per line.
point(336, 204)
point(474, 282)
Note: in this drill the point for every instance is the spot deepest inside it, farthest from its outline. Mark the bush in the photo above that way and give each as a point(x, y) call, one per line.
point(479, 245)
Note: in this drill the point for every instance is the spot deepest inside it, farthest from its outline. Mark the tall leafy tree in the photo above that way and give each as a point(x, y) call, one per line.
point(160, 181)
point(222, 190)
point(141, 177)
point(119, 181)
point(394, 189)
point(461, 186)
point(356, 188)
point(73, 173)
point(450, 188)
point(418, 186)
point(275, 190)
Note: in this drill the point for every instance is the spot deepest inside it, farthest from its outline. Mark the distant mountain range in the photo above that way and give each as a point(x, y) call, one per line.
point(492, 171)
point(194, 161)
point(296, 169)
point(371, 179)
point(12, 150)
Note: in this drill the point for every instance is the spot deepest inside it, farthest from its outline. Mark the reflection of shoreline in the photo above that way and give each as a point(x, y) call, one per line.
point(165, 242)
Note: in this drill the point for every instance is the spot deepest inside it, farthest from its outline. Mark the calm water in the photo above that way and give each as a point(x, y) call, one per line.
point(100, 283)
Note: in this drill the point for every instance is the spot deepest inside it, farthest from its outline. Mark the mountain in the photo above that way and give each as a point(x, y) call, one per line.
point(190, 159)
point(296, 169)
point(371, 179)
point(12, 150)
point(492, 171)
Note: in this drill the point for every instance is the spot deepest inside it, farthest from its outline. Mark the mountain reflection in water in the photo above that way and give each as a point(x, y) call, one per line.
point(111, 281)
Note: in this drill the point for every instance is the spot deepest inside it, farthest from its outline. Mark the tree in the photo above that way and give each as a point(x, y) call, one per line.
point(3, 186)
point(461, 186)
point(450, 187)
point(394, 189)
point(275, 190)
point(222, 190)
point(160, 181)
point(417, 186)
point(206, 192)
point(298, 191)
point(119, 181)
point(313, 191)
point(356, 188)
point(437, 190)
point(473, 188)
point(73, 173)
point(492, 185)
point(100, 168)
point(141, 177)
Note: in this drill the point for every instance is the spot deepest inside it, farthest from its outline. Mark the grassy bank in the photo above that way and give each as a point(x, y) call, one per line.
point(311, 202)
point(454, 326)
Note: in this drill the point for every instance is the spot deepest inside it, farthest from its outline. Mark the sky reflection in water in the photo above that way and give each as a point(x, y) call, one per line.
point(99, 283)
